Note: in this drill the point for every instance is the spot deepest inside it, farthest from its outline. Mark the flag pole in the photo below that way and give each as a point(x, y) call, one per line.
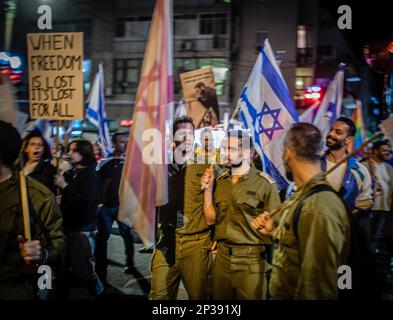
point(24, 199)
point(372, 138)
point(386, 129)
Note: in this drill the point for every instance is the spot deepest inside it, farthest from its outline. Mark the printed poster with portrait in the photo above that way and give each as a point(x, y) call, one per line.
point(200, 96)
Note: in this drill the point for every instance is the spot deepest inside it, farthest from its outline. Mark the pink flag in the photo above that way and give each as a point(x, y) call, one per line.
point(145, 185)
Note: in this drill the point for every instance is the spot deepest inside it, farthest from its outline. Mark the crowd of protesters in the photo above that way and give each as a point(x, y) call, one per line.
point(226, 232)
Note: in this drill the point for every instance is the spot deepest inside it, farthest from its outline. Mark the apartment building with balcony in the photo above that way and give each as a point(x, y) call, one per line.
point(224, 34)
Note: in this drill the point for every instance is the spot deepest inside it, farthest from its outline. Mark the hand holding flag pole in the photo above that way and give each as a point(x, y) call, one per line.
point(215, 161)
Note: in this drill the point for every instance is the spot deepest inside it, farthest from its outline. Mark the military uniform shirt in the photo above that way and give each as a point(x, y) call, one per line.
point(183, 214)
point(236, 205)
point(307, 268)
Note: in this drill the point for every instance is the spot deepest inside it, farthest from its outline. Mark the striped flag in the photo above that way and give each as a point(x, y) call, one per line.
point(330, 107)
point(267, 109)
point(144, 186)
point(96, 114)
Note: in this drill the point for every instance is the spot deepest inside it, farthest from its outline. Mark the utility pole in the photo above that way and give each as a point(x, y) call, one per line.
point(10, 12)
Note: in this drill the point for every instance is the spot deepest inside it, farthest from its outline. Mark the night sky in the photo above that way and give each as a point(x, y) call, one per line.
point(372, 21)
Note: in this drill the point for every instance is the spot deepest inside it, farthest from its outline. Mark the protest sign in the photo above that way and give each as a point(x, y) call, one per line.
point(55, 62)
point(200, 96)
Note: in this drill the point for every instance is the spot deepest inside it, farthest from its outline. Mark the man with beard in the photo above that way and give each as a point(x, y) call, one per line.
point(312, 234)
point(382, 175)
point(352, 179)
point(183, 251)
point(238, 196)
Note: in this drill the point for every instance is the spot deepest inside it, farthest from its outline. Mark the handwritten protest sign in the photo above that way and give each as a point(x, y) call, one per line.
point(55, 63)
point(200, 96)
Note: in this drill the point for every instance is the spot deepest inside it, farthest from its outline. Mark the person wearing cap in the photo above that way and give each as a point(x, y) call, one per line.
point(231, 202)
point(47, 245)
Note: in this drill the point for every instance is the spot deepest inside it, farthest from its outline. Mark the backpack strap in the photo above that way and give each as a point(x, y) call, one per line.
point(318, 188)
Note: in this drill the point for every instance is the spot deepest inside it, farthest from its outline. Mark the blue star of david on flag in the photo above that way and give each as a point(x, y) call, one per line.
point(267, 110)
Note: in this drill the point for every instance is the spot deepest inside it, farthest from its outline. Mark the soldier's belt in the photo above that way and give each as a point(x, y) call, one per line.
point(234, 250)
point(195, 236)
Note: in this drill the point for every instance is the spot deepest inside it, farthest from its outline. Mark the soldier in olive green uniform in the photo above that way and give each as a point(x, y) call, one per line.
point(240, 268)
point(309, 249)
point(14, 283)
point(183, 251)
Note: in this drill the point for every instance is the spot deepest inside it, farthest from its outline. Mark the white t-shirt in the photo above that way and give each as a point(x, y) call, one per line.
point(336, 177)
point(384, 175)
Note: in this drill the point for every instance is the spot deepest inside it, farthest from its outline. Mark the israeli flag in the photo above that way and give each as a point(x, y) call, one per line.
point(330, 107)
point(267, 110)
point(45, 127)
point(95, 105)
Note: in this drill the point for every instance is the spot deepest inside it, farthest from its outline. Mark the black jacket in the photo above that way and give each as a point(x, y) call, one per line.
point(80, 199)
point(45, 173)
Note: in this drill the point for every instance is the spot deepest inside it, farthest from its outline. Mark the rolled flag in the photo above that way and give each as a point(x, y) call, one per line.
point(267, 109)
point(96, 114)
point(144, 185)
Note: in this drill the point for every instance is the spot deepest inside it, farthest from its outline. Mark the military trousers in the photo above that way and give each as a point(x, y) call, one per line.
point(188, 259)
point(240, 273)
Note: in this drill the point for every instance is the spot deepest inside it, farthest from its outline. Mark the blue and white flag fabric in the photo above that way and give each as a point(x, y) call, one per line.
point(330, 107)
point(95, 105)
point(45, 127)
point(309, 114)
point(68, 129)
point(267, 110)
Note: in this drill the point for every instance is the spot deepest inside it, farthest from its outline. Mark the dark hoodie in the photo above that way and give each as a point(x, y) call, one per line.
point(45, 173)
